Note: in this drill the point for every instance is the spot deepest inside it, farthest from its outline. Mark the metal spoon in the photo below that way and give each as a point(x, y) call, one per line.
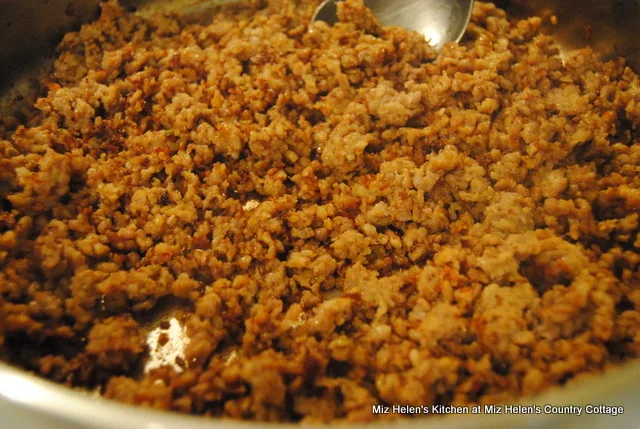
point(440, 21)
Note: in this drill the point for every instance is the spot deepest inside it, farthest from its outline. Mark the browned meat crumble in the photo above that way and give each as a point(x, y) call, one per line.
point(338, 217)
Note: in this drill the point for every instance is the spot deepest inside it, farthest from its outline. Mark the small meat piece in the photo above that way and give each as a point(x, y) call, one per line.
point(116, 343)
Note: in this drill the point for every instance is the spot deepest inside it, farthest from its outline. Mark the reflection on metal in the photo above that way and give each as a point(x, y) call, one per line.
point(20, 389)
point(166, 345)
point(440, 21)
point(433, 36)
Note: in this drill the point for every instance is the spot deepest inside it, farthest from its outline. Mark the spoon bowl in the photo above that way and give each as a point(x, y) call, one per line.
point(440, 21)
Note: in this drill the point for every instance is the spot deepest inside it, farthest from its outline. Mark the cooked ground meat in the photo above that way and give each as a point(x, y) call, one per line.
point(338, 217)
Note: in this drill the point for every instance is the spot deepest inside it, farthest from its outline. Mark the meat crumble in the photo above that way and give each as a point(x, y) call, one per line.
point(337, 217)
